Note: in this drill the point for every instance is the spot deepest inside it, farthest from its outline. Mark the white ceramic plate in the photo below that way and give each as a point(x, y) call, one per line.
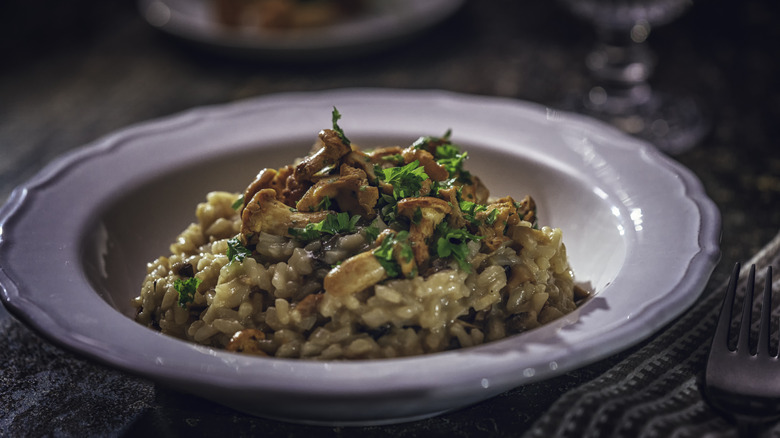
point(383, 24)
point(75, 240)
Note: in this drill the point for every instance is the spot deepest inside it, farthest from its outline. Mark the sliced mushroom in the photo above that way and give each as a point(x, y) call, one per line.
point(526, 209)
point(435, 171)
point(268, 179)
point(294, 188)
point(267, 214)
point(450, 195)
point(350, 191)
point(475, 191)
point(518, 275)
point(330, 153)
point(247, 341)
point(431, 143)
point(308, 305)
point(262, 181)
point(494, 220)
point(384, 157)
point(425, 213)
point(360, 160)
point(354, 274)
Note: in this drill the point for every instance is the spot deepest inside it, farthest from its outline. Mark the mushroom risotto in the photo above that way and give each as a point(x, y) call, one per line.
point(357, 254)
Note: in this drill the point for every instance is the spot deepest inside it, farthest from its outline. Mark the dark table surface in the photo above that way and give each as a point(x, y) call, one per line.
point(73, 72)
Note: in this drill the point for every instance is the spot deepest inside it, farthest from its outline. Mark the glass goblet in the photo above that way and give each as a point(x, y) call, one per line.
point(620, 66)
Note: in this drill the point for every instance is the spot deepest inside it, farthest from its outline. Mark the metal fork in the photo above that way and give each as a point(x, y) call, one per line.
point(744, 385)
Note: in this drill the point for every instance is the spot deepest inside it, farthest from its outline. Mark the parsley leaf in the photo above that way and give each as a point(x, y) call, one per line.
point(395, 158)
point(237, 251)
point(470, 210)
point(417, 216)
point(453, 242)
point(428, 142)
point(335, 117)
point(451, 158)
point(372, 232)
point(447, 150)
point(385, 253)
point(388, 208)
point(332, 224)
point(339, 223)
point(306, 234)
point(406, 180)
point(239, 202)
point(453, 162)
point(186, 289)
point(492, 216)
point(324, 204)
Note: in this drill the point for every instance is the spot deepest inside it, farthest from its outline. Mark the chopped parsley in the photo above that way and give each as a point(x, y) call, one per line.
point(306, 234)
point(453, 242)
point(333, 224)
point(451, 158)
point(406, 180)
point(186, 289)
point(417, 216)
point(335, 117)
point(238, 203)
point(388, 208)
point(427, 142)
point(395, 158)
point(372, 232)
point(470, 210)
point(237, 251)
point(339, 223)
point(324, 204)
point(385, 253)
point(492, 216)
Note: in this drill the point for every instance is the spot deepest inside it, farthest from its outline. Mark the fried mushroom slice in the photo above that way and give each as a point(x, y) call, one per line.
point(354, 274)
point(247, 341)
point(330, 153)
point(349, 190)
point(308, 305)
point(475, 192)
point(364, 270)
point(424, 213)
point(268, 179)
point(386, 156)
point(526, 209)
point(455, 219)
point(360, 160)
point(267, 214)
point(434, 170)
point(495, 219)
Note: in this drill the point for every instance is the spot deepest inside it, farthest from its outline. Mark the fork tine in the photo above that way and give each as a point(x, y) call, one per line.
point(766, 315)
point(721, 337)
point(747, 307)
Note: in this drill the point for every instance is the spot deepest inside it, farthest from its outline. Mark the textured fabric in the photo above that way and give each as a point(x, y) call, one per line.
point(44, 391)
point(657, 391)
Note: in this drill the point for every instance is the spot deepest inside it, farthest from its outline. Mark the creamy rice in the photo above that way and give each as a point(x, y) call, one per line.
point(275, 299)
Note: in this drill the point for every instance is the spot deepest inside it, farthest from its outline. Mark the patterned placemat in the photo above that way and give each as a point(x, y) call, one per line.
point(657, 391)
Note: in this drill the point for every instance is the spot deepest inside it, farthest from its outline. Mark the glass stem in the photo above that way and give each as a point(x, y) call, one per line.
point(620, 66)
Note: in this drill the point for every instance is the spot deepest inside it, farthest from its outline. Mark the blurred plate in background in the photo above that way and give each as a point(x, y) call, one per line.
point(381, 25)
